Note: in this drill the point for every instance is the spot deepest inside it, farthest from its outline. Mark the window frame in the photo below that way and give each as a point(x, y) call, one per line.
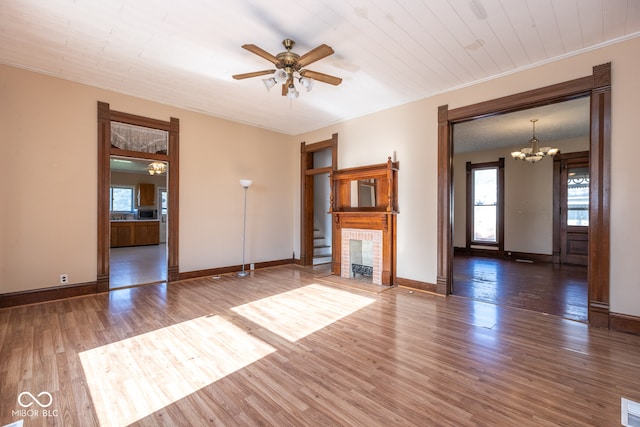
point(482, 245)
point(124, 187)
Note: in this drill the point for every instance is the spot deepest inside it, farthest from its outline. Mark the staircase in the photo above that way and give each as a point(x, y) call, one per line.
point(321, 251)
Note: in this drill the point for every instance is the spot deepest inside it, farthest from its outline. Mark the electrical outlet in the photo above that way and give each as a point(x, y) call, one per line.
point(252, 266)
point(64, 279)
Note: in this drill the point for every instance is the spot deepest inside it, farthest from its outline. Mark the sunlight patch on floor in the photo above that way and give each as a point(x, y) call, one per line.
point(132, 378)
point(303, 311)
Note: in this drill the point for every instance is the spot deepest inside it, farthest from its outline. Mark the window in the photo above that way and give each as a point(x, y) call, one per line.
point(163, 202)
point(485, 205)
point(121, 199)
point(578, 196)
point(485, 189)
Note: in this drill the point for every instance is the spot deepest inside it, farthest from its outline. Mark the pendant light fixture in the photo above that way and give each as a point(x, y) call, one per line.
point(533, 153)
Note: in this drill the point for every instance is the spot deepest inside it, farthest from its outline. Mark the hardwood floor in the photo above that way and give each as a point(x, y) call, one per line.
point(561, 290)
point(137, 265)
point(286, 346)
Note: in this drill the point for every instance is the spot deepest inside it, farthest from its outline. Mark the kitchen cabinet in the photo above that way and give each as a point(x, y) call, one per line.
point(147, 233)
point(121, 234)
point(134, 233)
point(146, 195)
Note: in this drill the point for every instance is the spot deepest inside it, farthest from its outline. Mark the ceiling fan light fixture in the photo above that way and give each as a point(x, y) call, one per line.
point(291, 67)
point(306, 83)
point(269, 83)
point(280, 76)
point(293, 93)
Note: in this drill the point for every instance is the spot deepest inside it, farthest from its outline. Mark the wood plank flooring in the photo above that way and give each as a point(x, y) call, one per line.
point(285, 348)
point(556, 289)
point(136, 265)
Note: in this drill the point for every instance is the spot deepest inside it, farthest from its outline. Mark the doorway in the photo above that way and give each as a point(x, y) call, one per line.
point(138, 210)
point(597, 86)
point(317, 161)
point(506, 249)
point(115, 138)
point(571, 173)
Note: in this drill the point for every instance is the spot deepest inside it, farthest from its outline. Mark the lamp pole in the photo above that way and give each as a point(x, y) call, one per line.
point(245, 183)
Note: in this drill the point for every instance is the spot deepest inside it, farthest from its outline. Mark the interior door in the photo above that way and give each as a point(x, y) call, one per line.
point(574, 210)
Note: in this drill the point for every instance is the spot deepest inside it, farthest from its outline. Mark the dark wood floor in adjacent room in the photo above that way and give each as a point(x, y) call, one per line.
point(556, 289)
point(289, 347)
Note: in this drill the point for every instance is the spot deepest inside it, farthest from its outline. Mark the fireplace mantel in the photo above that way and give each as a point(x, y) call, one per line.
point(366, 198)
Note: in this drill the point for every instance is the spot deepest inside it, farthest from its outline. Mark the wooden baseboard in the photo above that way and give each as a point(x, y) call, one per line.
point(514, 256)
point(509, 255)
point(230, 269)
point(415, 284)
point(34, 296)
point(624, 323)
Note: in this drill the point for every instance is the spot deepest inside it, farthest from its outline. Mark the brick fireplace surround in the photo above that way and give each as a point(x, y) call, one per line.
point(377, 226)
point(349, 234)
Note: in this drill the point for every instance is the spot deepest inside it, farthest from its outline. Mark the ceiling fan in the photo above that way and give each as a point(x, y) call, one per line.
point(289, 67)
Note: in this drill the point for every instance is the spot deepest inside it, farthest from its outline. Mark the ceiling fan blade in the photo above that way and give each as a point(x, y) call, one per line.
point(321, 77)
point(314, 55)
point(261, 52)
point(254, 74)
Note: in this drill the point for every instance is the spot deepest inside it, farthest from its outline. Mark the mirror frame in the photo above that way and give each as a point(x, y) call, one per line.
point(598, 87)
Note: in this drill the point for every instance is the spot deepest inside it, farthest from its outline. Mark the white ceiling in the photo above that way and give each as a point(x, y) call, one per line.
point(388, 52)
point(556, 122)
point(129, 165)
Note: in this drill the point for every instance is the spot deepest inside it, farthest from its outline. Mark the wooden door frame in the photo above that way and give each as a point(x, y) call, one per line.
point(105, 151)
point(307, 173)
point(598, 87)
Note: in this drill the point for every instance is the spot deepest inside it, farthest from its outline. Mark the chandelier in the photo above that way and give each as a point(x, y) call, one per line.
point(533, 153)
point(157, 168)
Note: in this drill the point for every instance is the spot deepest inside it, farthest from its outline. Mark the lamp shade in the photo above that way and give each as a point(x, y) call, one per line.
point(281, 76)
point(246, 183)
point(307, 83)
point(269, 83)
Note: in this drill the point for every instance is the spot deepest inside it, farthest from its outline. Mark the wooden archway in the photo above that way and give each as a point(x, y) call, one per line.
point(105, 150)
point(598, 87)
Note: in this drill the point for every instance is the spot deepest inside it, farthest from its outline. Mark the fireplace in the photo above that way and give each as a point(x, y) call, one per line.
point(364, 207)
point(353, 241)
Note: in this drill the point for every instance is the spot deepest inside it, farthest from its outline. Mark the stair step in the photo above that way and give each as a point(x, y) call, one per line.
point(321, 260)
point(322, 251)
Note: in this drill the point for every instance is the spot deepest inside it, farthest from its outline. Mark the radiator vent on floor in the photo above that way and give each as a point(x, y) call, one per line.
point(630, 410)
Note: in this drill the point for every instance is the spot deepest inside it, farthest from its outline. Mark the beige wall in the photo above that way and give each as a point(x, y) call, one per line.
point(528, 198)
point(411, 132)
point(49, 213)
point(49, 183)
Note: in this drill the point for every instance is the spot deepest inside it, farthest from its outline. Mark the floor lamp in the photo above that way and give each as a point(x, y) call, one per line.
point(246, 183)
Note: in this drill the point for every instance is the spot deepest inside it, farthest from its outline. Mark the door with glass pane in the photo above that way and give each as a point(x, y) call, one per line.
point(574, 211)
